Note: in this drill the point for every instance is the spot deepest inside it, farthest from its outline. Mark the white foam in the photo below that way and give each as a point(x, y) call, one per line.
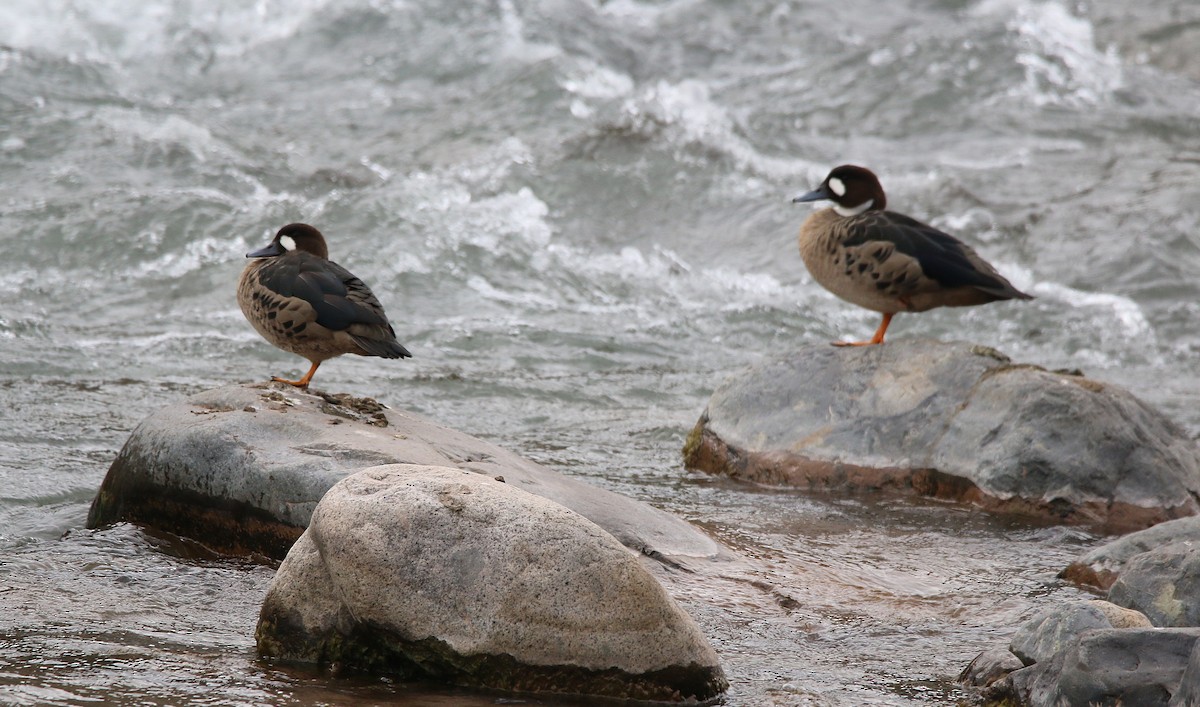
point(196, 254)
point(146, 29)
point(165, 131)
point(692, 116)
point(1124, 311)
point(1058, 52)
point(591, 80)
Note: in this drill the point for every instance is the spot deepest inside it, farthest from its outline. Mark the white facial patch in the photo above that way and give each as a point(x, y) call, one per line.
point(836, 186)
point(287, 242)
point(852, 211)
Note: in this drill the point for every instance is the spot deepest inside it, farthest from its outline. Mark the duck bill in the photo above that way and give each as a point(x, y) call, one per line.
point(820, 194)
point(270, 250)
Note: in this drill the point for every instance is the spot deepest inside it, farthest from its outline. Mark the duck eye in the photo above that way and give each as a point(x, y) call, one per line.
point(836, 186)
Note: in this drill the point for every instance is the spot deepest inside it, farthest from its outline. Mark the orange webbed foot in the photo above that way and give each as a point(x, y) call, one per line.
point(877, 339)
point(303, 382)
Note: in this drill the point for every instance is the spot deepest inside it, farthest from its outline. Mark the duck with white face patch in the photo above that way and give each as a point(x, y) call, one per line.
point(303, 302)
point(888, 262)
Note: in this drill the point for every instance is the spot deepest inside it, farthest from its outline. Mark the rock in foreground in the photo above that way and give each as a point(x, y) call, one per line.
point(1136, 666)
point(430, 572)
point(953, 421)
point(1100, 567)
point(240, 468)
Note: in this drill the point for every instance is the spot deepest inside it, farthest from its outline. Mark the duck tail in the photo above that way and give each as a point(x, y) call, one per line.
point(384, 348)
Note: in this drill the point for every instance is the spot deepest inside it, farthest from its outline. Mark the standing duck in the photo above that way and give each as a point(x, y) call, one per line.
point(303, 302)
point(888, 262)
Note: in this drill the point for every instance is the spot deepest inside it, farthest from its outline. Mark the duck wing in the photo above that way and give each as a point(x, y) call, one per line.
point(339, 301)
point(943, 259)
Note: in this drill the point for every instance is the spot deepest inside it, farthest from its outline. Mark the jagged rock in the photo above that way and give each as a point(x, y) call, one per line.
point(436, 573)
point(953, 421)
point(240, 468)
point(1163, 583)
point(1101, 566)
point(1055, 628)
point(1135, 666)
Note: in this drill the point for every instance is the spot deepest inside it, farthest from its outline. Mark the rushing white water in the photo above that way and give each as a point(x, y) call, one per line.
point(578, 218)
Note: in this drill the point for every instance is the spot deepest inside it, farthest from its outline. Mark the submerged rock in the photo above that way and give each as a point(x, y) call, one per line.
point(953, 421)
point(241, 468)
point(430, 572)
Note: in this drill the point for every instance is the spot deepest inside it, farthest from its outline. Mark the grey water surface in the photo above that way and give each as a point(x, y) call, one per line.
point(577, 215)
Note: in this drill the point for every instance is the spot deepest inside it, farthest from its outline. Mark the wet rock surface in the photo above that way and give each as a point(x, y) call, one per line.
point(989, 666)
point(1100, 567)
point(1106, 667)
point(1054, 629)
point(955, 421)
point(1108, 652)
point(437, 573)
point(241, 468)
point(1163, 583)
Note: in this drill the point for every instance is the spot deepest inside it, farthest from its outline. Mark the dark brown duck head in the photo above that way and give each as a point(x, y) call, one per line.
point(852, 190)
point(294, 237)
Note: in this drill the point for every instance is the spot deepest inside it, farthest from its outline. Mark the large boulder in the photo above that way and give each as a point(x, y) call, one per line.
point(436, 573)
point(954, 421)
point(241, 468)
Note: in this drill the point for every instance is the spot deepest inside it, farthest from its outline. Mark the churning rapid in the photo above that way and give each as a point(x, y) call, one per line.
point(577, 216)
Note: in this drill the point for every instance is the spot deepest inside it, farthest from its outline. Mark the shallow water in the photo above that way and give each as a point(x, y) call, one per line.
point(578, 218)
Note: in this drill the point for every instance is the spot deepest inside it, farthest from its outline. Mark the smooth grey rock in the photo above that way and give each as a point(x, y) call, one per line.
point(1163, 583)
point(1136, 666)
point(240, 468)
point(989, 666)
point(1188, 692)
point(1100, 567)
point(954, 421)
point(438, 573)
point(1055, 628)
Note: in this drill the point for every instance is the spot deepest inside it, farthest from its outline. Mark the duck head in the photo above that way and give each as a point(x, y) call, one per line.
point(852, 190)
point(293, 237)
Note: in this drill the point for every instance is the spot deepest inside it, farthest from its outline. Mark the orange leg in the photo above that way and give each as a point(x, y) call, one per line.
point(303, 382)
point(877, 339)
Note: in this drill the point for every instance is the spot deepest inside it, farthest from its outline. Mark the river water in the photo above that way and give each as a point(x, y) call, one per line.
point(578, 218)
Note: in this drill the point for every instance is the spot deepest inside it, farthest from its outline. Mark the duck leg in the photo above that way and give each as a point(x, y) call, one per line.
point(303, 382)
point(877, 339)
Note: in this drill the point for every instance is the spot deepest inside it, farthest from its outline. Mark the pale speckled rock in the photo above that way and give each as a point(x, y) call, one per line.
point(1163, 583)
point(954, 421)
point(1055, 628)
point(1101, 566)
point(1135, 666)
point(438, 573)
point(240, 468)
